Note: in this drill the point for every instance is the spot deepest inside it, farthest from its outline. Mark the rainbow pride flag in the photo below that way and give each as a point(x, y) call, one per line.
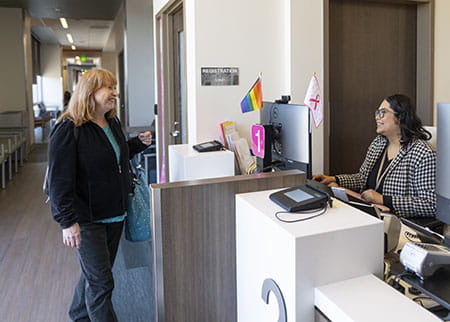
point(253, 100)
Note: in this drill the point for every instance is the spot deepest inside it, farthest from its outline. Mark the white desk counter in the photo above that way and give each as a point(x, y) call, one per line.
point(343, 243)
point(368, 299)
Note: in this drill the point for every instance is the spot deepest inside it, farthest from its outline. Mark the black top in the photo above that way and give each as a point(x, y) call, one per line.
point(86, 182)
point(372, 178)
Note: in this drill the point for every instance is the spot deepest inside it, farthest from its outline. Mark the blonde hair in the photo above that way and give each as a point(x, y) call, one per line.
point(82, 103)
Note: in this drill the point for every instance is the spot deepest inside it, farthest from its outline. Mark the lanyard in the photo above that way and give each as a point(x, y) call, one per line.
point(381, 174)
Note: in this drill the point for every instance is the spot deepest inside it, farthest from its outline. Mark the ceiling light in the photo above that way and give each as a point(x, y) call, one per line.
point(73, 47)
point(64, 23)
point(69, 38)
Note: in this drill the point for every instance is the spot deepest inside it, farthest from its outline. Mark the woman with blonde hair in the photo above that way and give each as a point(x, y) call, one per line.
point(89, 182)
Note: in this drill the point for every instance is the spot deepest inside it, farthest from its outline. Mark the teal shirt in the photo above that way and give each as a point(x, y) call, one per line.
point(116, 148)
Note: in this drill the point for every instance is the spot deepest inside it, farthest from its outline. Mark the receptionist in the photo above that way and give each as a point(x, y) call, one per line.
point(399, 170)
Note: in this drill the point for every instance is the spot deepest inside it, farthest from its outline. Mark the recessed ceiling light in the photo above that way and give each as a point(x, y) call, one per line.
point(64, 23)
point(69, 38)
point(73, 47)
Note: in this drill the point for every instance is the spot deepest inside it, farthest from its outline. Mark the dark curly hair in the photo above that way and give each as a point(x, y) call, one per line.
point(410, 124)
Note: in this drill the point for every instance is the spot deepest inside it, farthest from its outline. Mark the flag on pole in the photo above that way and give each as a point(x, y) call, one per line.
point(313, 100)
point(253, 100)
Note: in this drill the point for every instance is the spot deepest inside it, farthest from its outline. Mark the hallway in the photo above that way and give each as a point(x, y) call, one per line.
point(38, 273)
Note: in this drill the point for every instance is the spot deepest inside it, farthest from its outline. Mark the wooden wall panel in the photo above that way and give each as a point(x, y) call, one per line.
point(195, 244)
point(372, 55)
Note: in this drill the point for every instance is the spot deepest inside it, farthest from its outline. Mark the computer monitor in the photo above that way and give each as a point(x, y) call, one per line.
point(443, 163)
point(291, 135)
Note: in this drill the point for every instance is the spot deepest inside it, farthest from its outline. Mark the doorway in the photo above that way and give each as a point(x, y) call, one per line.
point(171, 107)
point(374, 51)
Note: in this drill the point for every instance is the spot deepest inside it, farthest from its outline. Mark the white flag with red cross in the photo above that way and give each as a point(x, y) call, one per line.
point(313, 100)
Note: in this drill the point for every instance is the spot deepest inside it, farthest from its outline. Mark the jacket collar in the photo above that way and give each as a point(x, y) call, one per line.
point(404, 149)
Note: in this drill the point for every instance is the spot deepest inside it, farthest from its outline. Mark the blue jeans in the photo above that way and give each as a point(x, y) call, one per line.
point(92, 296)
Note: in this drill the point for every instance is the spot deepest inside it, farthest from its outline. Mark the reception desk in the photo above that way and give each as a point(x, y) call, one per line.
point(195, 244)
point(187, 164)
point(295, 258)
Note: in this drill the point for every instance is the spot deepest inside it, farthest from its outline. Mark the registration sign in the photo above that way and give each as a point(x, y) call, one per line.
point(220, 76)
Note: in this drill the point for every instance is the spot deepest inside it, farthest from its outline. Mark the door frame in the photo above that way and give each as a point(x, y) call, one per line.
point(165, 82)
point(123, 115)
point(424, 65)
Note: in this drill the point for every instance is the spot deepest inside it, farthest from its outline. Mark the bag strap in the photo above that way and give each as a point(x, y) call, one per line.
point(133, 162)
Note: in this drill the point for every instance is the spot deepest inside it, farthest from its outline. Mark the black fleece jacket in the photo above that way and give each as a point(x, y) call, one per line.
point(85, 181)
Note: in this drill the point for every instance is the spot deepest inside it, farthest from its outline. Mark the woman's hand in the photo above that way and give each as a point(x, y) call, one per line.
point(72, 236)
point(146, 137)
point(328, 180)
point(372, 196)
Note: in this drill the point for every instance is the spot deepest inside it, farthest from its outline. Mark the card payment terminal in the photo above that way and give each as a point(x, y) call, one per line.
point(300, 198)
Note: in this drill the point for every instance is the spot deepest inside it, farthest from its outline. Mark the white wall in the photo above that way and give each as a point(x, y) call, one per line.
point(113, 47)
point(158, 4)
point(52, 82)
point(13, 84)
point(139, 63)
point(114, 44)
point(116, 36)
point(307, 39)
point(255, 44)
point(28, 76)
point(109, 61)
point(15, 65)
point(52, 92)
point(441, 53)
point(51, 60)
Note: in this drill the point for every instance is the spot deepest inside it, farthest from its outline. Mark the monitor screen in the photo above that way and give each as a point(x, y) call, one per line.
point(292, 133)
point(443, 163)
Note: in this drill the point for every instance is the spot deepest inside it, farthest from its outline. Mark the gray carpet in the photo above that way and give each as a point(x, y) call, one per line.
point(38, 153)
point(133, 296)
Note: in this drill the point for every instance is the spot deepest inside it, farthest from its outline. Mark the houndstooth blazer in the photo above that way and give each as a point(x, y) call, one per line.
point(410, 180)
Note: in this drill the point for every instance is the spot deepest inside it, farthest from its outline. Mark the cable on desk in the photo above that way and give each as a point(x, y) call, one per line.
point(395, 281)
point(323, 211)
point(419, 301)
point(401, 275)
point(420, 298)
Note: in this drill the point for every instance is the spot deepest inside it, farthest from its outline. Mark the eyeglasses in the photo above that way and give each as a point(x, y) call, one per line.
point(381, 112)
